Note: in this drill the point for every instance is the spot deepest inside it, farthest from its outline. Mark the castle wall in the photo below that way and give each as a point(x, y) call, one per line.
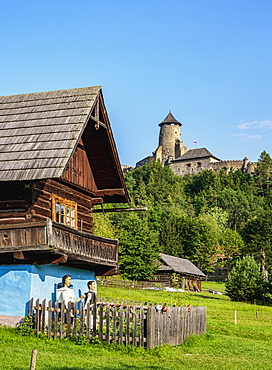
point(195, 166)
point(191, 166)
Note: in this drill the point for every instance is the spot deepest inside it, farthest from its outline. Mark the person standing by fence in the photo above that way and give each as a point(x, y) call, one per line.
point(90, 298)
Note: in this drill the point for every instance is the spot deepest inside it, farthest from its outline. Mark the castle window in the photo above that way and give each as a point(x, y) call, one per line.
point(198, 164)
point(64, 211)
point(188, 164)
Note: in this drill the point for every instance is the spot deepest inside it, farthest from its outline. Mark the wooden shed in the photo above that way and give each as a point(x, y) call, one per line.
point(58, 159)
point(178, 272)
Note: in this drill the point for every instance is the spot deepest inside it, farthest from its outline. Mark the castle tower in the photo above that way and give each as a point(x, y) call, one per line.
point(170, 143)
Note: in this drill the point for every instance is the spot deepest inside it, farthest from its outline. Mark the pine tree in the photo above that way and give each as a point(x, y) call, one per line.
point(246, 282)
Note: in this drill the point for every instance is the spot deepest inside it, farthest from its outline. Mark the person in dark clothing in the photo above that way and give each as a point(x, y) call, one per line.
point(90, 296)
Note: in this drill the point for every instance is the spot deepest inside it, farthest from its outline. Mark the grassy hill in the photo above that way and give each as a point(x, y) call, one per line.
point(245, 345)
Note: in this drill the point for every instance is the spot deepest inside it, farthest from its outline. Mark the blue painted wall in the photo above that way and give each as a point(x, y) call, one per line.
point(20, 283)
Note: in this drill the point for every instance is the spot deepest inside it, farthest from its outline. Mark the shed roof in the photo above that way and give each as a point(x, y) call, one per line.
point(180, 265)
point(195, 154)
point(39, 131)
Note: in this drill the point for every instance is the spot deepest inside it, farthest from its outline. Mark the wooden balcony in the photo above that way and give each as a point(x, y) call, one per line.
point(50, 242)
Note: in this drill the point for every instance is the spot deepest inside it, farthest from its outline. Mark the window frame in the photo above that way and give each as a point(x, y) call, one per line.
point(65, 205)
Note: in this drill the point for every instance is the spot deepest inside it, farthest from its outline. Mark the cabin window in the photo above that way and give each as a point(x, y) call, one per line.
point(188, 164)
point(64, 211)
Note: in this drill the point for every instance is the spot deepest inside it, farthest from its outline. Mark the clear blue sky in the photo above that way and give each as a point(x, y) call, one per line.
point(208, 61)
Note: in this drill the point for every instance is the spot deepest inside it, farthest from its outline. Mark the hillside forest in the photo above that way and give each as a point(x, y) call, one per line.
point(210, 218)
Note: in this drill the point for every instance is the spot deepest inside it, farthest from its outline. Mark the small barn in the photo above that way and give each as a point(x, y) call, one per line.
point(58, 160)
point(175, 271)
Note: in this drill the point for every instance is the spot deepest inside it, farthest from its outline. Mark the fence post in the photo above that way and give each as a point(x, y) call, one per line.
point(127, 325)
point(108, 323)
point(33, 359)
point(50, 311)
point(43, 315)
point(94, 312)
point(114, 324)
point(120, 337)
point(37, 317)
point(62, 319)
point(81, 315)
point(142, 326)
point(56, 319)
point(101, 306)
point(134, 318)
point(149, 327)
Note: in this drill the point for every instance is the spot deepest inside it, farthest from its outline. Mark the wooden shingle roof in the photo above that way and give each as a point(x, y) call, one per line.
point(39, 131)
point(180, 265)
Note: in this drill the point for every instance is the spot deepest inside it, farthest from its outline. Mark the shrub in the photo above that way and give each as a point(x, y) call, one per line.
point(246, 282)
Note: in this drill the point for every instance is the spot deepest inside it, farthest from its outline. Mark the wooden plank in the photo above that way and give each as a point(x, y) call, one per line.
point(50, 314)
point(114, 317)
point(120, 334)
point(62, 319)
point(101, 317)
point(150, 340)
point(43, 323)
point(23, 226)
point(94, 312)
point(134, 321)
point(87, 314)
point(37, 317)
point(142, 327)
point(75, 320)
point(56, 319)
point(127, 338)
point(107, 323)
point(81, 317)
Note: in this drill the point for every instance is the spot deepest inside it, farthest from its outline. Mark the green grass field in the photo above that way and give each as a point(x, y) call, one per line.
point(246, 345)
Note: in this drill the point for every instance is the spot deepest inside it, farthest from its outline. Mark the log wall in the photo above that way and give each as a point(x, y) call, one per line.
point(34, 203)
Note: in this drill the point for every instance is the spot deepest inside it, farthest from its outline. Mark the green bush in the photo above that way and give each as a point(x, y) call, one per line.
point(246, 282)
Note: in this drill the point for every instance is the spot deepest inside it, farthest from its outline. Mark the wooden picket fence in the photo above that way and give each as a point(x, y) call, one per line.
point(138, 325)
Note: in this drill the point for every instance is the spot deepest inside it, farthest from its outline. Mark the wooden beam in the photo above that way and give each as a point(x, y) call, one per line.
point(18, 255)
point(110, 192)
point(131, 209)
point(62, 259)
point(96, 201)
point(99, 123)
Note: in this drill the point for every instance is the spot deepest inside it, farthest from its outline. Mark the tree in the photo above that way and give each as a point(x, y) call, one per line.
point(263, 174)
point(257, 235)
point(246, 281)
point(138, 248)
point(231, 246)
point(103, 226)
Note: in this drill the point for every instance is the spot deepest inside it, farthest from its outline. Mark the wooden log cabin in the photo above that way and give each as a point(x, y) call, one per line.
point(178, 273)
point(58, 160)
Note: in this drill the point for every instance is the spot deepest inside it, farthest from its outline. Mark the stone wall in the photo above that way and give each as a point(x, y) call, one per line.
point(195, 166)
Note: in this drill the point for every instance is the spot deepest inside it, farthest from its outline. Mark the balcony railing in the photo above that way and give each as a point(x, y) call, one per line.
point(60, 240)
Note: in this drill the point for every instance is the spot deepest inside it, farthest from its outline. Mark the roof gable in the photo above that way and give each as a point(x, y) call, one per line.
point(169, 119)
point(180, 265)
point(40, 132)
point(195, 154)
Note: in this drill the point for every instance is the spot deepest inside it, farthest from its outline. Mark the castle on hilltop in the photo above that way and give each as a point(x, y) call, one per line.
point(172, 152)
